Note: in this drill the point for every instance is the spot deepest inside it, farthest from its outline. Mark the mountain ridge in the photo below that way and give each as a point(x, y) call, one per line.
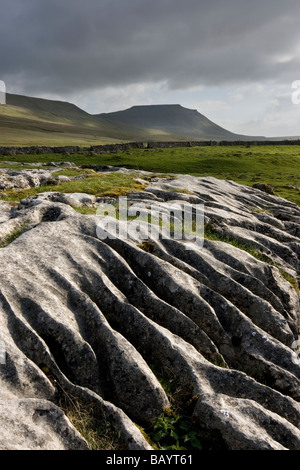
point(36, 121)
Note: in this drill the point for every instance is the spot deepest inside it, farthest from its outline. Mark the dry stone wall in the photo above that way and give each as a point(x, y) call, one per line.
point(111, 148)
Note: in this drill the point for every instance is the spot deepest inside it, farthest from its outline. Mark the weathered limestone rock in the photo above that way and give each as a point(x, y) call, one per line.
point(98, 318)
point(34, 424)
point(25, 179)
point(22, 179)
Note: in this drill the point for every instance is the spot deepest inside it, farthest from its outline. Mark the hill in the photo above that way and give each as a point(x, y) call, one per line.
point(37, 121)
point(174, 119)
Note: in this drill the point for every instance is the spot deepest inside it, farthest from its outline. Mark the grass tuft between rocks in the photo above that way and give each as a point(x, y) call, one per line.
point(211, 234)
point(12, 236)
point(99, 185)
point(94, 428)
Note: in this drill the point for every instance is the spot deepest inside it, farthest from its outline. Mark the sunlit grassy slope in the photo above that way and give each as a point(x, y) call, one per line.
point(35, 121)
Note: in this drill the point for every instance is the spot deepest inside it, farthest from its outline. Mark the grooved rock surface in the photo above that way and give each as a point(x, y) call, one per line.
point(98, 317)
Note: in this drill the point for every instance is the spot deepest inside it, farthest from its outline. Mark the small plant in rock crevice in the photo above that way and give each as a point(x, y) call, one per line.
point(175, 429)
point(174, 432)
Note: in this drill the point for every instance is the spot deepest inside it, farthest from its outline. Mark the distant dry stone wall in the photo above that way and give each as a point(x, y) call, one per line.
point(38, 150)
point(113, 148)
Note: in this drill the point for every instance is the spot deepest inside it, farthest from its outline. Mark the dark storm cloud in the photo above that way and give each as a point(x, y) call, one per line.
point(67, 45)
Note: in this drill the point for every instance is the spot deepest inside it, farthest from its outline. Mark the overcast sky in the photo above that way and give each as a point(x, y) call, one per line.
point(232, 60)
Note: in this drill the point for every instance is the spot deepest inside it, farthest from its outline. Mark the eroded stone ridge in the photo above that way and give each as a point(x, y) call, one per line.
point(98, 319)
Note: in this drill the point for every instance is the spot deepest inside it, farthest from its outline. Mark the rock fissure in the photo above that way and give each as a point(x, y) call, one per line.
point(97, 319)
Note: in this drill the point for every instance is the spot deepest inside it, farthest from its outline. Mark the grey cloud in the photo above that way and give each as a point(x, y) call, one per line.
point(67, 45)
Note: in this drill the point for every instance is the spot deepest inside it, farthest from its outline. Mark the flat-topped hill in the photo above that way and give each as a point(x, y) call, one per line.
point(37, 121)
point(173, 119)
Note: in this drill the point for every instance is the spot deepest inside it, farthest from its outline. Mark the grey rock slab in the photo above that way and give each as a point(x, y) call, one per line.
point(104, 320)
point(32, 424)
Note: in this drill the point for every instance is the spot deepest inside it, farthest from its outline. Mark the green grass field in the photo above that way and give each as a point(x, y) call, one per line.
point(276, 165)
